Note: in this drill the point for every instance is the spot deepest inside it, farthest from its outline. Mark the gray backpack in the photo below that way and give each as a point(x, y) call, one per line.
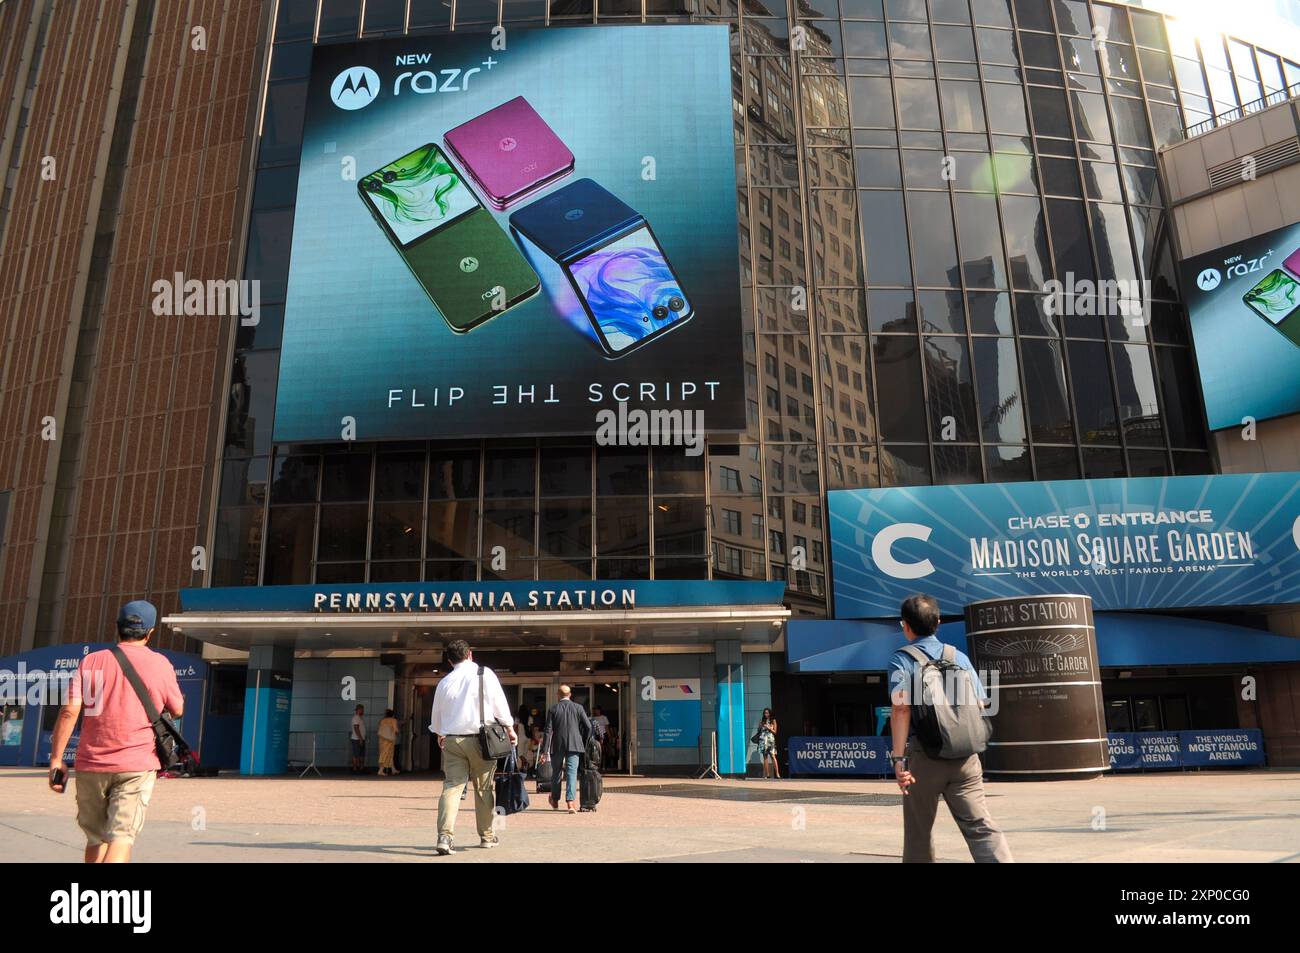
point(948, 718)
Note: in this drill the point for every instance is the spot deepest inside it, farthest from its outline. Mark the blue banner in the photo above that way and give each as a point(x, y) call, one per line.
point(1146, 543)
point(1218, 749)
point(848, 755)
point(1157, 750)
point(1145, 751)
point(483, 596)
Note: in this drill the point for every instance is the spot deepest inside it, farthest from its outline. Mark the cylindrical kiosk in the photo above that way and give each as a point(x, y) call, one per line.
point(1040, 654)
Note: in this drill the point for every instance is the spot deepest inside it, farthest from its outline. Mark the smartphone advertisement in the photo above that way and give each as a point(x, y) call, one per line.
point(507, 235)
point(1243, 301)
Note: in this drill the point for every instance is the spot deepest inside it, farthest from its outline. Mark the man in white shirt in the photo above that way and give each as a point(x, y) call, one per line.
point(456, 724)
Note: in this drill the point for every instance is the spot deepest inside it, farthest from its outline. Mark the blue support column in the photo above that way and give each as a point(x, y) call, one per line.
point(268, 696)
point(733, 746)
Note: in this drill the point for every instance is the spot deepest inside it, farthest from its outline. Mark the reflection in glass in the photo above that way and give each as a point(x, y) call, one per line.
point(1026, 236)
point(952, 392)
point(396, 533)
point(882, 224)
point(1094, 401)
point(453, 529)
point(342, 531)
point(934, 247)
point(1139, 410)
point(997, 371)
point(1048, 402)
point(981, 241)
point(898, 376)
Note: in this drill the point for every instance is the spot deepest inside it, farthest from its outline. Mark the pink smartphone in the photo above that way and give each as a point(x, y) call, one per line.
point(1292, 263)
point(510, 152)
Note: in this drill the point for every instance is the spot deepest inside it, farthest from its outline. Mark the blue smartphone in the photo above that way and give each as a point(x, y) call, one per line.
point(610, 254)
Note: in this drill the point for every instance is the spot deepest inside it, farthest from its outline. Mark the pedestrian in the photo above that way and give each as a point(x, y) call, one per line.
point(357, 735)
point(599, 722)
point(117, 760)
point(534, 749)
point(922, 776)
point(765, 739)
point(387, 732)
point(565, 742)
point(467, 690)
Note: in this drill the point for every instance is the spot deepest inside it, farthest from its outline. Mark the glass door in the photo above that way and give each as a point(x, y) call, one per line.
point(1146, 714)
point(1118, 716)
point(608, 705)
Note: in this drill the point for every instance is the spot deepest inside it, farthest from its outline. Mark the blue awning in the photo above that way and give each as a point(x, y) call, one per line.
point(1124, 640)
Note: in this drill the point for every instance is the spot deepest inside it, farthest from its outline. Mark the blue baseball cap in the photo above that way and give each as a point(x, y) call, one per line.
point(137, 618)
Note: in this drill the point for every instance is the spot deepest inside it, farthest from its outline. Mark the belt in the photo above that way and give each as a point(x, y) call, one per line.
point(473, 734)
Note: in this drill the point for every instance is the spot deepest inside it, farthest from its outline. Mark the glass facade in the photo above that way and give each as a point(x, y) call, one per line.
point(910, 176)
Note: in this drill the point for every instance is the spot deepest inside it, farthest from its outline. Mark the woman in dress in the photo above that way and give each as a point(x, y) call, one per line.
point(387, 742)
point(765, 738)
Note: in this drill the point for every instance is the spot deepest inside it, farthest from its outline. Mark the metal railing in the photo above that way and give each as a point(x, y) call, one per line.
point(1232, 115)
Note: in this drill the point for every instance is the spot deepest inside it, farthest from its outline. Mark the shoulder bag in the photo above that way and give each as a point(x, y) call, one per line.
point(493, 739)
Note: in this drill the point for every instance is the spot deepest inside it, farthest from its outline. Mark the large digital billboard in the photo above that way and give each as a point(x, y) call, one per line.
point(1145, 543)
point(508, 233)
point(1243, 301)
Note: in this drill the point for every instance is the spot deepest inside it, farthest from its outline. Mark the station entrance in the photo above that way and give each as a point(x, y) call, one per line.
point(531, 696)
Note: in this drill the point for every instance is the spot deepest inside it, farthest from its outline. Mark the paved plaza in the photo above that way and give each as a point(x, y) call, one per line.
point(1251, 816)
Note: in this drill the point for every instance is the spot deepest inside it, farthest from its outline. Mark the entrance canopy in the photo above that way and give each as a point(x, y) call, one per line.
point(1124, 640)
point(498, 615)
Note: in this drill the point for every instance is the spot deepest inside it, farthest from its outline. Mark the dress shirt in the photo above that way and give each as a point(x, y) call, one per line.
point(455, 703)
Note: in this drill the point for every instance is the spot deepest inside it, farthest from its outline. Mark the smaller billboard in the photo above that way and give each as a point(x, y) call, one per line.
point(677, 712)
point(1145, 543)
point(1243, 302)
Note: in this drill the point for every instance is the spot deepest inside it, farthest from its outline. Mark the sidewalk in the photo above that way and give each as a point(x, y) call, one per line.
point(1219, 817)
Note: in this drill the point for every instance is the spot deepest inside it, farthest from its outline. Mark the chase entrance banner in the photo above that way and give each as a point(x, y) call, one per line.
point(1148, 543)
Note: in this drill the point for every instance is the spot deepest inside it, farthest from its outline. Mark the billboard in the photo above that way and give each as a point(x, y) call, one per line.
point(1146, 543)
point(510, 234)
point(1243, 301)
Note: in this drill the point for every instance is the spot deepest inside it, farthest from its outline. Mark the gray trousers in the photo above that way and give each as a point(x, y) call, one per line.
point(961, 785)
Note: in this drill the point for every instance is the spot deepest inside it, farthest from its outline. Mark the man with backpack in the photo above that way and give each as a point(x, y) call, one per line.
point(117, 757)
point(939, 730)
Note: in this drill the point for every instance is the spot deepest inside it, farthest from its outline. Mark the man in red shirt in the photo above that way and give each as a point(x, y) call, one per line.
point(116, 760)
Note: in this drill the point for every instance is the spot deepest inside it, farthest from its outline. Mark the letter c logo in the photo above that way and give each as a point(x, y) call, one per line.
point(882, 545)
point(1295, 532)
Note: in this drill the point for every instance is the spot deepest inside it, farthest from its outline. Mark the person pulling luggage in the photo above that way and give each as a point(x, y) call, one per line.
point(565, 742)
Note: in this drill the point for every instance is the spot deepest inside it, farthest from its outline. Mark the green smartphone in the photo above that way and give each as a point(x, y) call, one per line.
point(465, 262)
point(1276, 299)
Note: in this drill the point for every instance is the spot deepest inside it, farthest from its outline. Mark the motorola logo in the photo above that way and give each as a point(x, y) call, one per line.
point(573, 214)
point(355, 88)
point(508, 144)
point(1209, 279)
point(469, 263)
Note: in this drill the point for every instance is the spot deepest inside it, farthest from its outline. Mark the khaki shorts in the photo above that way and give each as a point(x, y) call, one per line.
point(111, 805)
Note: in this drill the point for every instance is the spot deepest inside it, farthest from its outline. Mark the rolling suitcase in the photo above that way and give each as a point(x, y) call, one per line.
point(590, 787)
point(543, 774)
